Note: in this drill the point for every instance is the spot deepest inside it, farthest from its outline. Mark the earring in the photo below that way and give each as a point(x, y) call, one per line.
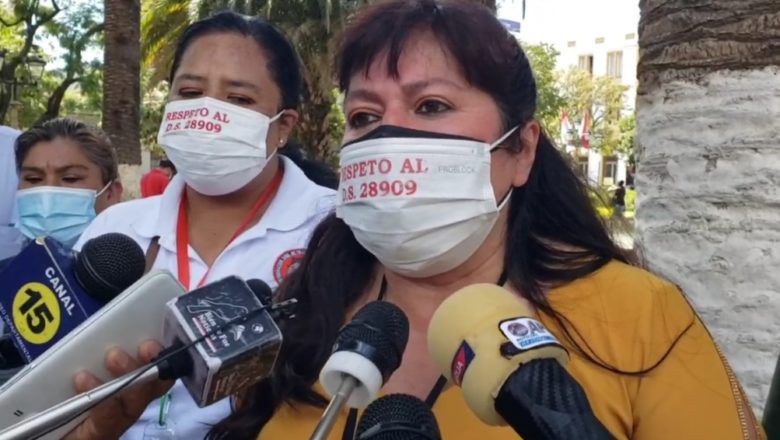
point(282, 142)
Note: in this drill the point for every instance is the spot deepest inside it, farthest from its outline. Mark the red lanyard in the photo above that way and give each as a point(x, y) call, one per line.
point(182, 239)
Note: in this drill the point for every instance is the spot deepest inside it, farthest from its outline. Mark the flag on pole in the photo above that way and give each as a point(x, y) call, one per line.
point(585, 130)
point(566, 128)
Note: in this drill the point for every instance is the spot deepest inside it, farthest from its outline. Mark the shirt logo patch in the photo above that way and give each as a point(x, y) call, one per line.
point(286, 263)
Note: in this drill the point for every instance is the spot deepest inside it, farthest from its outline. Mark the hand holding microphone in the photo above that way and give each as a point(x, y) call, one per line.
point(221, 338)
point(511, 369)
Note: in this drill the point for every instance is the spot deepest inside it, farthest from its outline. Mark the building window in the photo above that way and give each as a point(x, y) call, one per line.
point(571, 44)
point(582, 165)
point(609, 172)
point(586, 63)
point(615, 64)
point(630, 36)
point(599, 40)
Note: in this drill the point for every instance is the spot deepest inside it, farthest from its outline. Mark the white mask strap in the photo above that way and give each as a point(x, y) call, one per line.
point(506, 198)
point(497, 144)
point(278, 115)
point(104, 189)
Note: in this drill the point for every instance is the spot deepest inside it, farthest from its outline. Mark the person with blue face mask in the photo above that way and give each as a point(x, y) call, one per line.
point(67, 175)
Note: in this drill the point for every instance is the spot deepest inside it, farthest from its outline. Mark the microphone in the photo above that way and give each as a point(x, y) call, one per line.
point(261, 290)
point(220, 340)
point(366, 353)
point(398, 417)
point(511, 369)
point(233, 358)
point(48, 290)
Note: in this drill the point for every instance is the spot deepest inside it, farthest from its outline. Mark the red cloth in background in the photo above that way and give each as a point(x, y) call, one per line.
point(154, 182)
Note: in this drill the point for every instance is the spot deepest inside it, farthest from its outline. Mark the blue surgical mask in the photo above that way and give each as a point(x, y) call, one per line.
point(55, 211)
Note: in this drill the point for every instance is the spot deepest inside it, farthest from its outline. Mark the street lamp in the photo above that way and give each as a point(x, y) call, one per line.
point(35, 66)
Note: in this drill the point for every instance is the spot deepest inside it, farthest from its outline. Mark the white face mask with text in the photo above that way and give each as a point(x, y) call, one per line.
point(217, 147)
point(421, 202)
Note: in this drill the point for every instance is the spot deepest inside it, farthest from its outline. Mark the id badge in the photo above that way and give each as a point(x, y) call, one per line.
point(154, 431)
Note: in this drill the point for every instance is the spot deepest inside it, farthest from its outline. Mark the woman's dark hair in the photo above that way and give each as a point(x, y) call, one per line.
point(93, 142)
point(283, 65)
point(554, 235)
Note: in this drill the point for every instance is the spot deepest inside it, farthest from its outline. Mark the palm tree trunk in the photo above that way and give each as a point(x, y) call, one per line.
point(122, 78)
point(708, 108)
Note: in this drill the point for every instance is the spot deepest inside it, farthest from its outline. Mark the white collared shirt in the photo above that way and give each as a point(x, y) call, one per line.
point(267, 251)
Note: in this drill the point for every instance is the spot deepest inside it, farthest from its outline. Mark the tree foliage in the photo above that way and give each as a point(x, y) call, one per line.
point(602, 97)
point(550, 101)
point(71, 28)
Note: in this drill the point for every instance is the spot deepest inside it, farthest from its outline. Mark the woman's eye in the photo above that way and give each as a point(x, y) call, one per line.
point(362, 119)
point(189, 93)
point(32, 179)
point(241, 100)
point(71, 179)
point(432, 106)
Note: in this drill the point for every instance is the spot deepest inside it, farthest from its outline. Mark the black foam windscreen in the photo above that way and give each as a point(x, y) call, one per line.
point(398, 417)
point(108, 264)
point(379, 331)
point(262, 290)
point(542, 401)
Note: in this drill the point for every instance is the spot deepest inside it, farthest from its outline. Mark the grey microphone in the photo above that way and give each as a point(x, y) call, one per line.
point(367, 352)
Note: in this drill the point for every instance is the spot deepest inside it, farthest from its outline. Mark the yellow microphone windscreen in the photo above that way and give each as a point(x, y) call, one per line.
point(479, 336)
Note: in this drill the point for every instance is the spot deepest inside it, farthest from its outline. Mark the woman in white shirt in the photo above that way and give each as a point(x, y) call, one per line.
point(234, 208)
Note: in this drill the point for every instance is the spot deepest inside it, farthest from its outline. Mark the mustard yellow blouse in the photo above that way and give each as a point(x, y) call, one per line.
point(626, 318)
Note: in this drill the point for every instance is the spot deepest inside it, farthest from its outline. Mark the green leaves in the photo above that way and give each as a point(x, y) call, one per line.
point(542, 58)
point(603, 98)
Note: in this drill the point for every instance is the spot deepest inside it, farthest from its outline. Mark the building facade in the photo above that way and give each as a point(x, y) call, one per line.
point(613, 54)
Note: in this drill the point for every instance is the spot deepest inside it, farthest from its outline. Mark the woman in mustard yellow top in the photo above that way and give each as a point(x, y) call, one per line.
point(447, 180)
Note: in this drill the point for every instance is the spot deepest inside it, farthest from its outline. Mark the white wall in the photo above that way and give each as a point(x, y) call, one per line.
point(613, 42)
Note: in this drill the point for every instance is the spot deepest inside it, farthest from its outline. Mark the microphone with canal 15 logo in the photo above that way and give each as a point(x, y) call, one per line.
point(48, 290)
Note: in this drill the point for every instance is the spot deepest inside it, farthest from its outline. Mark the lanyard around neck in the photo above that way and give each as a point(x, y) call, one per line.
point(182, 233)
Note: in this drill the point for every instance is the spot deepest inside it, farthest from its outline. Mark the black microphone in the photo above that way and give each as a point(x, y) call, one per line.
point(367, 351)
point(262, 290)
point(511, 369)
point(48, 290)
point(398, 417)
point(108, 264)
point(219, 338)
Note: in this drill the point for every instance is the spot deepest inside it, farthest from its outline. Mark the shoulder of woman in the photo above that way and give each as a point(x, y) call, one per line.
point(123, 217)
point(626, 311)
point(619, 287)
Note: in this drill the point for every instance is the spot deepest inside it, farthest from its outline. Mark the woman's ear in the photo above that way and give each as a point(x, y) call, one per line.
point(114, 192)
point(287, 122)
point(526, 152)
